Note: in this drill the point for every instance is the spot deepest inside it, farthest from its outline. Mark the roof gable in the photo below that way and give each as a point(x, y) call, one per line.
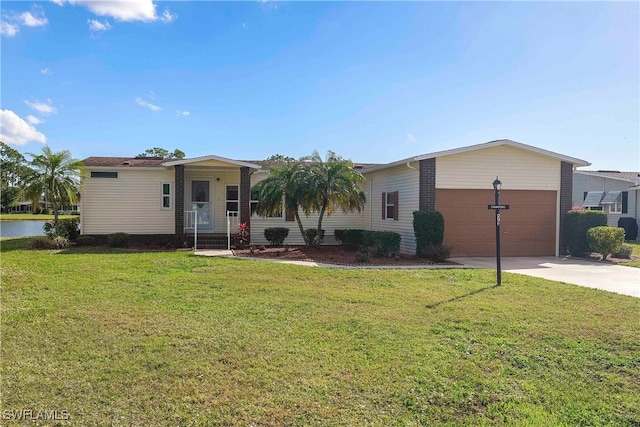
point(211, 160)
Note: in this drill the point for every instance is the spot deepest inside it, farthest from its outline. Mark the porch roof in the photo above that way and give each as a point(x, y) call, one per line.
point(211, 160)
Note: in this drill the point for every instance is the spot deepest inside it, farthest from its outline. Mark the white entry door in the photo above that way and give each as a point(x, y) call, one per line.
point(201, 203)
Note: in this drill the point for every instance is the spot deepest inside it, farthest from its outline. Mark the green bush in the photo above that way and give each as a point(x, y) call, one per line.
point(370, 243)
point(428, 227)
point(311, 234)
point(605, 240)
point(436, 252)
point(576, 225)
point(351, 237)
point(85, 241)
point(67, 228)
point(276, 235)
point(60, 242)
point(625, 251)
point(118, 240)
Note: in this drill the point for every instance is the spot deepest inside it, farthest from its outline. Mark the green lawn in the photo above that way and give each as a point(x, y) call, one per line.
point(169, 338)
point(32, 217)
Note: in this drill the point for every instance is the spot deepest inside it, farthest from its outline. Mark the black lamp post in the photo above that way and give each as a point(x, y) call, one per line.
point(497, 185)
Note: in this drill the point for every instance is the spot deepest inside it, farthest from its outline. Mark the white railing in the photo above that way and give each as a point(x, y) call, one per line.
point(190, 221)
point(233, 222)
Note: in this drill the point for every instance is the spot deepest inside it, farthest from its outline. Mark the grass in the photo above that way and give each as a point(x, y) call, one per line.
point(636, 253)
point(122, 337)
point(32, 217)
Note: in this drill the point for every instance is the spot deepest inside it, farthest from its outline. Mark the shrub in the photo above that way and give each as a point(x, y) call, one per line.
point(389, 242)
point(67, 228)
point(118, 240)
point(436, 252)
point(311, 235)
point(576, 226)
point(625, 251)
point(428, 227)
point(368, 247)
point(60, 242)
point(242, 235)
point(85, 241)
point(630, 228)
point(605, 240)
point(42, 242)
point(276, 235)
point(351, 237)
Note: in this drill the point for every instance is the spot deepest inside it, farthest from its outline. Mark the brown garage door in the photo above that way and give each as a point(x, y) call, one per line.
point(528, 228)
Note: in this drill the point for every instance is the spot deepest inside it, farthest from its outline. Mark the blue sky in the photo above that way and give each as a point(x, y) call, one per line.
point(372, 81)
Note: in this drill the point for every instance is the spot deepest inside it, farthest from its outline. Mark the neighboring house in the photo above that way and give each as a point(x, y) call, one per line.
point(614, 192)
point(154, 196)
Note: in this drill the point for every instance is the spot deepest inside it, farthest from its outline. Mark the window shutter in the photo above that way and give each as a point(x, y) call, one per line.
point(395, 205)
point(384, 205)
point(625, 202)
point(584, 195)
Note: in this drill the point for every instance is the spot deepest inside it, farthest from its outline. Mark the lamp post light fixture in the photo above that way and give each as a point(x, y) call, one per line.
point(497, 207)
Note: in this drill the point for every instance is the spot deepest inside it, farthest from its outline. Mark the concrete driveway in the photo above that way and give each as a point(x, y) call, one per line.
point(591, 274)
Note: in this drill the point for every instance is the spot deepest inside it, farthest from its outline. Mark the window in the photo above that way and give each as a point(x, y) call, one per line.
point(390, 205)
point(255, 197)
point(166, 195)
point(233, 204)
point(592, 199)
point(613, 199)
point(104, 174)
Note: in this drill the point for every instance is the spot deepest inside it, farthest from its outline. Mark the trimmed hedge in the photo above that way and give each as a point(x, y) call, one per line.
point(276, 235)
point(351, 237)
point(605, 240)
point(625, 251)
point(85, 241)
point(118, 240)
point(428, 227)
point(576, 226)
point(311, 234)
point(386, 243)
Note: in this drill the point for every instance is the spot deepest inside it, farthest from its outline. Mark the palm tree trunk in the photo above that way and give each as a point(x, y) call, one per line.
point(318, 235)
point(304, 236)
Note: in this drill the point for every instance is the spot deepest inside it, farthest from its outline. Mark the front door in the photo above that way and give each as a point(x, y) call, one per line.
point(201, 203)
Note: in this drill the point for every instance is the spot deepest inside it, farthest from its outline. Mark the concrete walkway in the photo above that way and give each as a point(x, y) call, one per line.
point(591, 274)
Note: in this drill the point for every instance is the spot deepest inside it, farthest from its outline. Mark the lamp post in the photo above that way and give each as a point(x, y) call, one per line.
point(497, 185)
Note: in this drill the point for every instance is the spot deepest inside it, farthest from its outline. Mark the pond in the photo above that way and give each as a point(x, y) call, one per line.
point(21, 228)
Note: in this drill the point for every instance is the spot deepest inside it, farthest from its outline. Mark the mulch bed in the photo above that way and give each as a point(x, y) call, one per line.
point(340, 255)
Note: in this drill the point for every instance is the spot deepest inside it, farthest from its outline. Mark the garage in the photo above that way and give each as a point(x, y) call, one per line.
point(528, 228)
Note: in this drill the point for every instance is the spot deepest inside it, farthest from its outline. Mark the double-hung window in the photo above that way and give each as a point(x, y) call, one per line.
point(390, 205)
point(166, 195)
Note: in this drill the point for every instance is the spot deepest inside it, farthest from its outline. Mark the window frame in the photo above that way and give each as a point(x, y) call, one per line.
point(104, 174)
point(227, 200)
point(164, 196)
point(393, 203)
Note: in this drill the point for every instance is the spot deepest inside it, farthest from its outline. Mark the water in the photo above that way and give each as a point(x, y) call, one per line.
point(21, 228)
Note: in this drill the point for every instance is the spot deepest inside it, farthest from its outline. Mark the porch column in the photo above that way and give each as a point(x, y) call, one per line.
point(566, 188)
point(179, 198)
point(427, 186)
point(245, 196)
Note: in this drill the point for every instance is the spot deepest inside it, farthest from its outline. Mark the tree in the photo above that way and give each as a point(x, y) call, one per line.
point(281, 190)
point(162, 152)
point(56, 175)
point(12, 172)
point(329, 185)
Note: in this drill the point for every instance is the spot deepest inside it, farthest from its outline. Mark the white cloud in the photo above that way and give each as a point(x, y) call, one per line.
point(95, 25)
point(46, 72)
point(33, 120)
point(26, 18)
point(141, 102)
point(123, 10)
point(15, 131)
point(7, 29)
point(183, 113)
point(168, 16)
point(42, 107)
point(410, 138)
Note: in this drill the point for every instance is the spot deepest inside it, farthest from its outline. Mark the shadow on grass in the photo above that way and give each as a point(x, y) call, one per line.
point(106, 250)
point(459, 297)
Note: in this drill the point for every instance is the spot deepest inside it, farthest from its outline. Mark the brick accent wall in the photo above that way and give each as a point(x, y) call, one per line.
point(245, 196)
point(427, 190)
point(566, 187)
point(179, 198)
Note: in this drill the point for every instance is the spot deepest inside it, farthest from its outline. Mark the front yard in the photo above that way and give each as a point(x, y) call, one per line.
point(122, 337)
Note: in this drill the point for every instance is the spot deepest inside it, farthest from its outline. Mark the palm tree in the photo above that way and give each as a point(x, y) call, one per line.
point(56, 175)
point(329, 185)
point(282, 189)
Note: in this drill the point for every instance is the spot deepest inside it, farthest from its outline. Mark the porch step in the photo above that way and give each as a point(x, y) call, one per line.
point(209, 240)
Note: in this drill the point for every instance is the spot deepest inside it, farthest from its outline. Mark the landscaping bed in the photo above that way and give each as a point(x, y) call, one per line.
point(330, 254)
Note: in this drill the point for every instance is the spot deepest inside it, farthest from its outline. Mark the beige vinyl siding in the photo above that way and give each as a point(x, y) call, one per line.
point(517, 169)
point(405, 181)
point(218, 182)
point(337, 219)
point(131, 203)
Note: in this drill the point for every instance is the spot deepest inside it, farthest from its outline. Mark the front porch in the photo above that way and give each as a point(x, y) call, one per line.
point(212, 196)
